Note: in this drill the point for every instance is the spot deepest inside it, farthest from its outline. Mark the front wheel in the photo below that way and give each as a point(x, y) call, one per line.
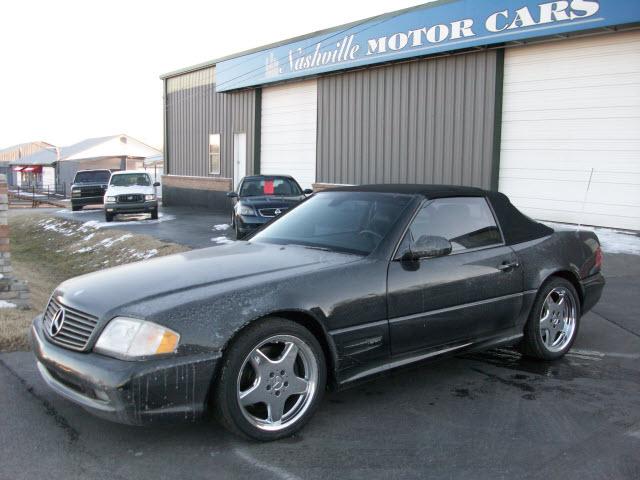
point(108, 216)
point(154, 214)
point(553, 322)
point(271, 380)
point(75, 208)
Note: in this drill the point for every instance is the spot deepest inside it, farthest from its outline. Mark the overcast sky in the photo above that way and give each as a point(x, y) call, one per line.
point(70, 70)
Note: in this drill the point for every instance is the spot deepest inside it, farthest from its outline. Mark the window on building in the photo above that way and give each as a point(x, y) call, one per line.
point(214, 154)
point(467, 222)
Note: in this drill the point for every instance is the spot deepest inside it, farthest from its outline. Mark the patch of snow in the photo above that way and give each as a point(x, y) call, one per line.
point(611, 240)
point(221, 240)
point(95, 224)
point(5, 304)
point(109, 242)
point(84, 250)
point(88, 237)
point(220, 227)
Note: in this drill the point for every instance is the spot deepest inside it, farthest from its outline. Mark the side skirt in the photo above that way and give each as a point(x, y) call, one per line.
point(353, 376)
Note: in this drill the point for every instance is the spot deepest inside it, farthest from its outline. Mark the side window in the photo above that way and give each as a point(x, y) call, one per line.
point(467, 222)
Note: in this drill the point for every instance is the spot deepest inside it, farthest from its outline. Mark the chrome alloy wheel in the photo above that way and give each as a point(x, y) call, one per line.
point(557, 319)
point(277, 382)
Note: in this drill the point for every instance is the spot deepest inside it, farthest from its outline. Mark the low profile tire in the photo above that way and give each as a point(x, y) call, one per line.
point(154, 214)
point(271, 381)
point(76, 208)
point(553, 322)
point(108, 217)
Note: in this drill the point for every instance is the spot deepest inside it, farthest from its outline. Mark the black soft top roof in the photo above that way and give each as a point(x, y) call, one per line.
point(516, 226)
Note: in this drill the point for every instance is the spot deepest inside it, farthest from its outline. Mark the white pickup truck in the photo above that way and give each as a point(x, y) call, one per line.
point(130, 191)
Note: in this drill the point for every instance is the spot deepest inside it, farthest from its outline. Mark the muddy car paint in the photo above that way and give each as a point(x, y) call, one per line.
point(209, 295)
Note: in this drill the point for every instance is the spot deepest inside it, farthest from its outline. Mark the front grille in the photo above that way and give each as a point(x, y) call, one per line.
point(76, 328)
point(91, 191)
point(130, 198)
point(271, 212)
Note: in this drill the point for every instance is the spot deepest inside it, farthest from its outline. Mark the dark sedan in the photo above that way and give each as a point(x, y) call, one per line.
point(260, 198)
point(352, 282)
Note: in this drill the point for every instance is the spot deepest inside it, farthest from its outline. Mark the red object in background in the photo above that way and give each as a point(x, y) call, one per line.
point(268, 187)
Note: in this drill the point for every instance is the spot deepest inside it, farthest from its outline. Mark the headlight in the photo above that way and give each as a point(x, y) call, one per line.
point(150, 197)
point(75, 192)
point(132, 338)
point(246, 210)
point(111, 200)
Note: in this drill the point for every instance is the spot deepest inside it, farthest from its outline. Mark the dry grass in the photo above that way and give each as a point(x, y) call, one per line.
point(47, 250)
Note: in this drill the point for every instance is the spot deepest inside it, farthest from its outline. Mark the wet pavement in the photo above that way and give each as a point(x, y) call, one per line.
point(195, 228)
point(483, 415)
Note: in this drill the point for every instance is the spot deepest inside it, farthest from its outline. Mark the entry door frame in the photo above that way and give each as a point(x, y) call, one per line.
point(239, 157)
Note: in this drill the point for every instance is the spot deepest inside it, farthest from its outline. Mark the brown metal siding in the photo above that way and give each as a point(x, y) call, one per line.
point(427, 121)
point(194, 113)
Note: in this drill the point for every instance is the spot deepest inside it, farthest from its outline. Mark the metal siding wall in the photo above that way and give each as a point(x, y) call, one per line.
point(428, 121)
point(193, 114)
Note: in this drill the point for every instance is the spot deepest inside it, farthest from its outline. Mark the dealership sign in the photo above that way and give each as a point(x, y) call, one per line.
point(432, 28)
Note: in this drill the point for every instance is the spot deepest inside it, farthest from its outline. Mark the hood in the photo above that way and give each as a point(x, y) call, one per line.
point(246, 264)
point(113, 191)
point(271, 201)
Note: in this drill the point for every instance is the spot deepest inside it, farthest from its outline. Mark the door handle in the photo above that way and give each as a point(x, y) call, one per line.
point(508, 266)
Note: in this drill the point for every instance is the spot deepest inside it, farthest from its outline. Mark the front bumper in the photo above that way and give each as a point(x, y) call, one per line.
point(162, 390)
point(249, 223)
point(591, 291)
point(142, 207)
point(84, 201)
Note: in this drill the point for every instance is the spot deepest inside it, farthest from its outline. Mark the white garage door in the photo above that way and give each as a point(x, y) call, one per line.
point(288, 137)
point(571, 113)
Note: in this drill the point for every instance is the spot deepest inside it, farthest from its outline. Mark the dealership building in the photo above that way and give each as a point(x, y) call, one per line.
point(540, 100)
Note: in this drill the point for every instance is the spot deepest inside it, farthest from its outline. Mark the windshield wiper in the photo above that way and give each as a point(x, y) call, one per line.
point(312, 247)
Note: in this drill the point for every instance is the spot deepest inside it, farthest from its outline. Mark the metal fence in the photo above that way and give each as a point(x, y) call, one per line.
point(36, 194)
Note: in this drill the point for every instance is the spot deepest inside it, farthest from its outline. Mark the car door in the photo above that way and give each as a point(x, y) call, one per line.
point(473, 292)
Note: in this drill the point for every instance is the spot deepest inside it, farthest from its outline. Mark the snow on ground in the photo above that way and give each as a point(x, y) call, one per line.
point(221, 240)
point(5, 304)
point(220, 227)
point(611, 240)
point(142, 220)
point(69, 228)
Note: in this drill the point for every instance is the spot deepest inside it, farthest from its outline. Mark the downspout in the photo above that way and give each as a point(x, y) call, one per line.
point(497, 120)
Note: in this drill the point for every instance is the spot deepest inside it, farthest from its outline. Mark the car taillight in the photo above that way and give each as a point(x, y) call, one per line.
point(598, 258)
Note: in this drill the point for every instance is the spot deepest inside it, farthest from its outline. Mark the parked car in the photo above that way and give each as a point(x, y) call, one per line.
point(260, 198)
point(130, 191)
point(352, 282)
point(89, 187)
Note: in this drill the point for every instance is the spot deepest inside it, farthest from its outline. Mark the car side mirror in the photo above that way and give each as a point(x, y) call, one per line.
point(428, 246)
point(307, 191)
point(232, 195)
point(156, 184)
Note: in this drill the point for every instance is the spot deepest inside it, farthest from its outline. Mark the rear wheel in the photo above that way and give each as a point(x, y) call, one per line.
point(271, 381)
point(553, 323)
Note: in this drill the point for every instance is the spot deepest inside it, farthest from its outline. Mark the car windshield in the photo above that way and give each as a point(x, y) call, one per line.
point(281, 186)
point(350, 222)
point(92, 176)
point(130, 180)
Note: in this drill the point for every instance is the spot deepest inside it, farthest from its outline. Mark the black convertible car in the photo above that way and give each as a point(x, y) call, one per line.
point(352, 282)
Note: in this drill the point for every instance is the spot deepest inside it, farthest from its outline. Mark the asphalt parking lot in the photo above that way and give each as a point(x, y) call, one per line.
point(488, 415)
point(195, 228)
